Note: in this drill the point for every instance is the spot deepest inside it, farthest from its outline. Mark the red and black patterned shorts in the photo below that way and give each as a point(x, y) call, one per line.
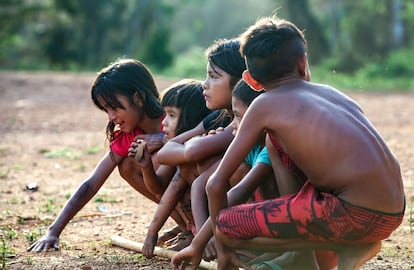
point(309, 214)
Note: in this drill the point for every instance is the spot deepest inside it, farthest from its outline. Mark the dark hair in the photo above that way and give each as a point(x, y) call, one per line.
point(245, 93)
point(126, 77)
point(187, 95)
point(272, 48)
point(225, 54)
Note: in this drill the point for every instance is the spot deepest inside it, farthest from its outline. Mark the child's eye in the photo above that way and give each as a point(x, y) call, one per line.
point(212, 75)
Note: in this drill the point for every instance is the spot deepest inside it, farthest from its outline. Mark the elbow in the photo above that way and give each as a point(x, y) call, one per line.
point(212, 189)
point(191, 153)
point(167, 154)
point(161, 156)
point(86, 187)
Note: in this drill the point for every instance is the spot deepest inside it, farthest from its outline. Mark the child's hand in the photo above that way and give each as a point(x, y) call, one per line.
point(154, 141)
point(138, 150)
point(45, 243)
point(132, 150)
point(214, 131)
point(149, 244)
point(187, 258)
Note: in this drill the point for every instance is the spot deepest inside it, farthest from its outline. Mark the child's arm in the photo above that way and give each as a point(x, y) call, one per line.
point(177, 151)
point(286, 182)
point(76, 202)
point(218, 184)
point(172, 153)
point(199, 204)
point(238, 194)
point(155, 181)
point(194, 252)
point(168, 202)
point(200, 148)
point(242, 191)
point(199, 201)
point(154, 141)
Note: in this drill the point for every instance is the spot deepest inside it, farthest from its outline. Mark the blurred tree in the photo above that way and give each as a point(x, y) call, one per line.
point(371, 29)
point(86, 34)
point(82, 34)
point(13, 17)
point(200, 22)
point(105, 30)
point(300, 13)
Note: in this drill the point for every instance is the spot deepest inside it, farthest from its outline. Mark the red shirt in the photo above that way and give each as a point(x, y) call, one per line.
point(122, 141)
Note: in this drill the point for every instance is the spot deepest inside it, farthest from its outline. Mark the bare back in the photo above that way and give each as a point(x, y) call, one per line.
point(329, 138)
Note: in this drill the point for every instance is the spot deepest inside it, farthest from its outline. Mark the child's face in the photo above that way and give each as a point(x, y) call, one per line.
point(125, 119)
point(169, 124)
point(239, 109)
point(217, 90)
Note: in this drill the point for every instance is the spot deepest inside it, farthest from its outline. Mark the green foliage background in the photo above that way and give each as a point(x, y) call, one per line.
point(352, 44)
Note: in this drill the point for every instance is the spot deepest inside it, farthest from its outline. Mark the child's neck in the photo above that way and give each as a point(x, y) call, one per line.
point(293, 78)
point(150, 126)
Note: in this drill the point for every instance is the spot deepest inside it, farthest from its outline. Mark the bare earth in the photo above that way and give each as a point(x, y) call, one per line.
point(53, 135)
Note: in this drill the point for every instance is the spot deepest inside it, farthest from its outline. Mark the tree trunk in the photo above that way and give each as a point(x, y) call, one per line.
point(301, 15)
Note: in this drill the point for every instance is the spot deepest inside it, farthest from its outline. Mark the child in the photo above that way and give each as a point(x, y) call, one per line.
point(259, 183)
point(353, 197)
point(184, 105)
point(126, 92)
point(225, 67)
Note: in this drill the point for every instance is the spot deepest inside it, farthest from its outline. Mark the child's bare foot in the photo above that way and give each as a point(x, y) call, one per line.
point(351, 257)
point(181, 241)
point(169, 234)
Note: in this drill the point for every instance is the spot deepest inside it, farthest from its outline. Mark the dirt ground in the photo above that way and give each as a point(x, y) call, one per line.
point(52, 135)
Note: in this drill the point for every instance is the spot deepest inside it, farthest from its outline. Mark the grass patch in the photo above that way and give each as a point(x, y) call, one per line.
point(5, 252)
point(104, 199)
point(93, 150)
point(61, 152)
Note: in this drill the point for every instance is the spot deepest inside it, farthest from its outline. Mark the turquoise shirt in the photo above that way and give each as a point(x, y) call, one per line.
point(258, 154)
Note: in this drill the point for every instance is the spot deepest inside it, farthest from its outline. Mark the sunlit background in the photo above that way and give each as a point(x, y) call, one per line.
point(353, 44)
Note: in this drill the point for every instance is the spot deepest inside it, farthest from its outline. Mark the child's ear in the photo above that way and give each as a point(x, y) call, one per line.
point(138, 100)
point(255, 85)
point(304, 69)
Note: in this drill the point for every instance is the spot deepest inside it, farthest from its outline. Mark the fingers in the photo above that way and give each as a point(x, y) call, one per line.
point(139, 150)
point(38, 247)
point(148, 251)
point(215, 131)
point(149, 244)
point(132, 149)
point(46, 247)
point(31, 247)
point(56, 246)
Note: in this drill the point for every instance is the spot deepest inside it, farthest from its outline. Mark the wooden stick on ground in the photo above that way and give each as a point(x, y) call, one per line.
point(158, 251)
